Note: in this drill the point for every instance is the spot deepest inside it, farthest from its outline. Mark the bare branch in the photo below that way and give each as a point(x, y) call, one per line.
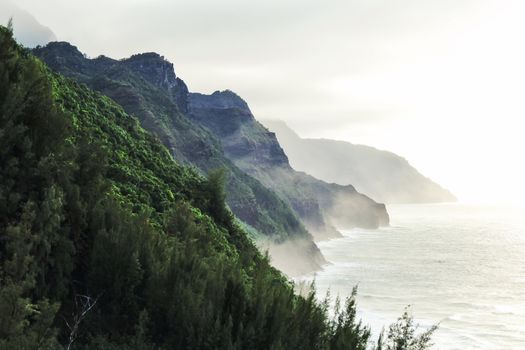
point(83, 304)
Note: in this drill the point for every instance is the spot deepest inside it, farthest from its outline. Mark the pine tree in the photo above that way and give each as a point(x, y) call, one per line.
point(402, 335)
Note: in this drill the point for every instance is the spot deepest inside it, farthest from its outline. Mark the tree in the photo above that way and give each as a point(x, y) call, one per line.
point(83, 305)
point(347, 331)
point(216, 193)
point(402, 335)
point(24, 323)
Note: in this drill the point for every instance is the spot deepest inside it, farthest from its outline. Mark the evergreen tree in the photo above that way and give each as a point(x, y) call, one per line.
point(402, 335)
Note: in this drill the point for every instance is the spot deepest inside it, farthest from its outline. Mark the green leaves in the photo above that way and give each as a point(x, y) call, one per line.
point(402, 335)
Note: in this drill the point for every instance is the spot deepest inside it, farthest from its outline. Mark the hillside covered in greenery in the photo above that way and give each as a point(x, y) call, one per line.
point(108, 243)
point(219, 130)
point(146, 86)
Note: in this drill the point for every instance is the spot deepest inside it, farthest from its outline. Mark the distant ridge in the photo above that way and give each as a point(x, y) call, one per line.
point(254, 149)
point(382, 175)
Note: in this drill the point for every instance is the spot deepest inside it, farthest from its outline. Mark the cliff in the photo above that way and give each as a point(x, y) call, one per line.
point(256, 150)
point(382, 175)
point(146, 86)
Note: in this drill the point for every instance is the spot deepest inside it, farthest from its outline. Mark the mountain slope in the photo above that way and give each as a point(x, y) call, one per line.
point(256, 150)
point(146, 86)
point(108, 243)
point(382, 175)
point(27, 30)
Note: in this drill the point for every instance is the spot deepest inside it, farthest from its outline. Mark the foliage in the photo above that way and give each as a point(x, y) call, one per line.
point(92, 207)
point(346, 329)
point(402, 335)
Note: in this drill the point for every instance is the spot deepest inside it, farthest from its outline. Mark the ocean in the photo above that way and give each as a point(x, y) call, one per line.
point(462, 266)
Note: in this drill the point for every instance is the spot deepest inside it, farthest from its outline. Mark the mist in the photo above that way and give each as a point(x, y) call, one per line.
point(381, 175)
point(438, 82)
point(27, 30)
point(295, 257)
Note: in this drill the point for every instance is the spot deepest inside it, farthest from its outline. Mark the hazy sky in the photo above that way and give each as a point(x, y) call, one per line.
point(441, 82)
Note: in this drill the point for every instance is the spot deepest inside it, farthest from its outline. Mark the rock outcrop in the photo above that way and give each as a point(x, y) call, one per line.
point(158, 71)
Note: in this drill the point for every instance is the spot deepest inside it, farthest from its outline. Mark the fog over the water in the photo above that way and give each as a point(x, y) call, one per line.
point(438, 82)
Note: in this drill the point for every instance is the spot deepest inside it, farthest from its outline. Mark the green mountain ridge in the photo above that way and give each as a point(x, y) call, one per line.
point(146, 86)
point(200, 130)
point(108, 243)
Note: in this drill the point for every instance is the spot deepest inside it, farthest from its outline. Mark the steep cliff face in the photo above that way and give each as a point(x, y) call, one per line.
point(125, 82)
point(382, 175)
point(255, 149)
point(156, 70)
point(229, 118)
point(147, 87)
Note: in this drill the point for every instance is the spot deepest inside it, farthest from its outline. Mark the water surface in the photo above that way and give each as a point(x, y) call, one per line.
point(462, 266)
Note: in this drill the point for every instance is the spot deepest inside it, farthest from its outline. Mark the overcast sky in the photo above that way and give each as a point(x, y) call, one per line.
point(441, 82)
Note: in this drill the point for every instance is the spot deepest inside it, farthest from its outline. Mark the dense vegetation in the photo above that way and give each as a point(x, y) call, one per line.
point(145, 85)
point(107, 243)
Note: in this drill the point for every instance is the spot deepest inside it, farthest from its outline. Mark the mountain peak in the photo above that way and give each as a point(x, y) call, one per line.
point(154, 68)
point(225, 99)
point(160, 72)
point(58, 54)
point(146, 55)
point(64, 49)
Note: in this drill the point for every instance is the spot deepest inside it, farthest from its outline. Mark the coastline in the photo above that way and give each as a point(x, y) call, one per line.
point(450, 257)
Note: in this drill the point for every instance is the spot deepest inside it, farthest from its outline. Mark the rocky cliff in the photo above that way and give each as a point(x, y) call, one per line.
point(256, 150)
point(161, 73)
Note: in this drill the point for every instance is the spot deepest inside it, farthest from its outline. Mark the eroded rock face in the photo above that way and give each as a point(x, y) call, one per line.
point(257, 151)
point(161, 73)
point(243, 138)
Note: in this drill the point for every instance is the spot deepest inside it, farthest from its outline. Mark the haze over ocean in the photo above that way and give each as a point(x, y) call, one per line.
point(460, 265)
